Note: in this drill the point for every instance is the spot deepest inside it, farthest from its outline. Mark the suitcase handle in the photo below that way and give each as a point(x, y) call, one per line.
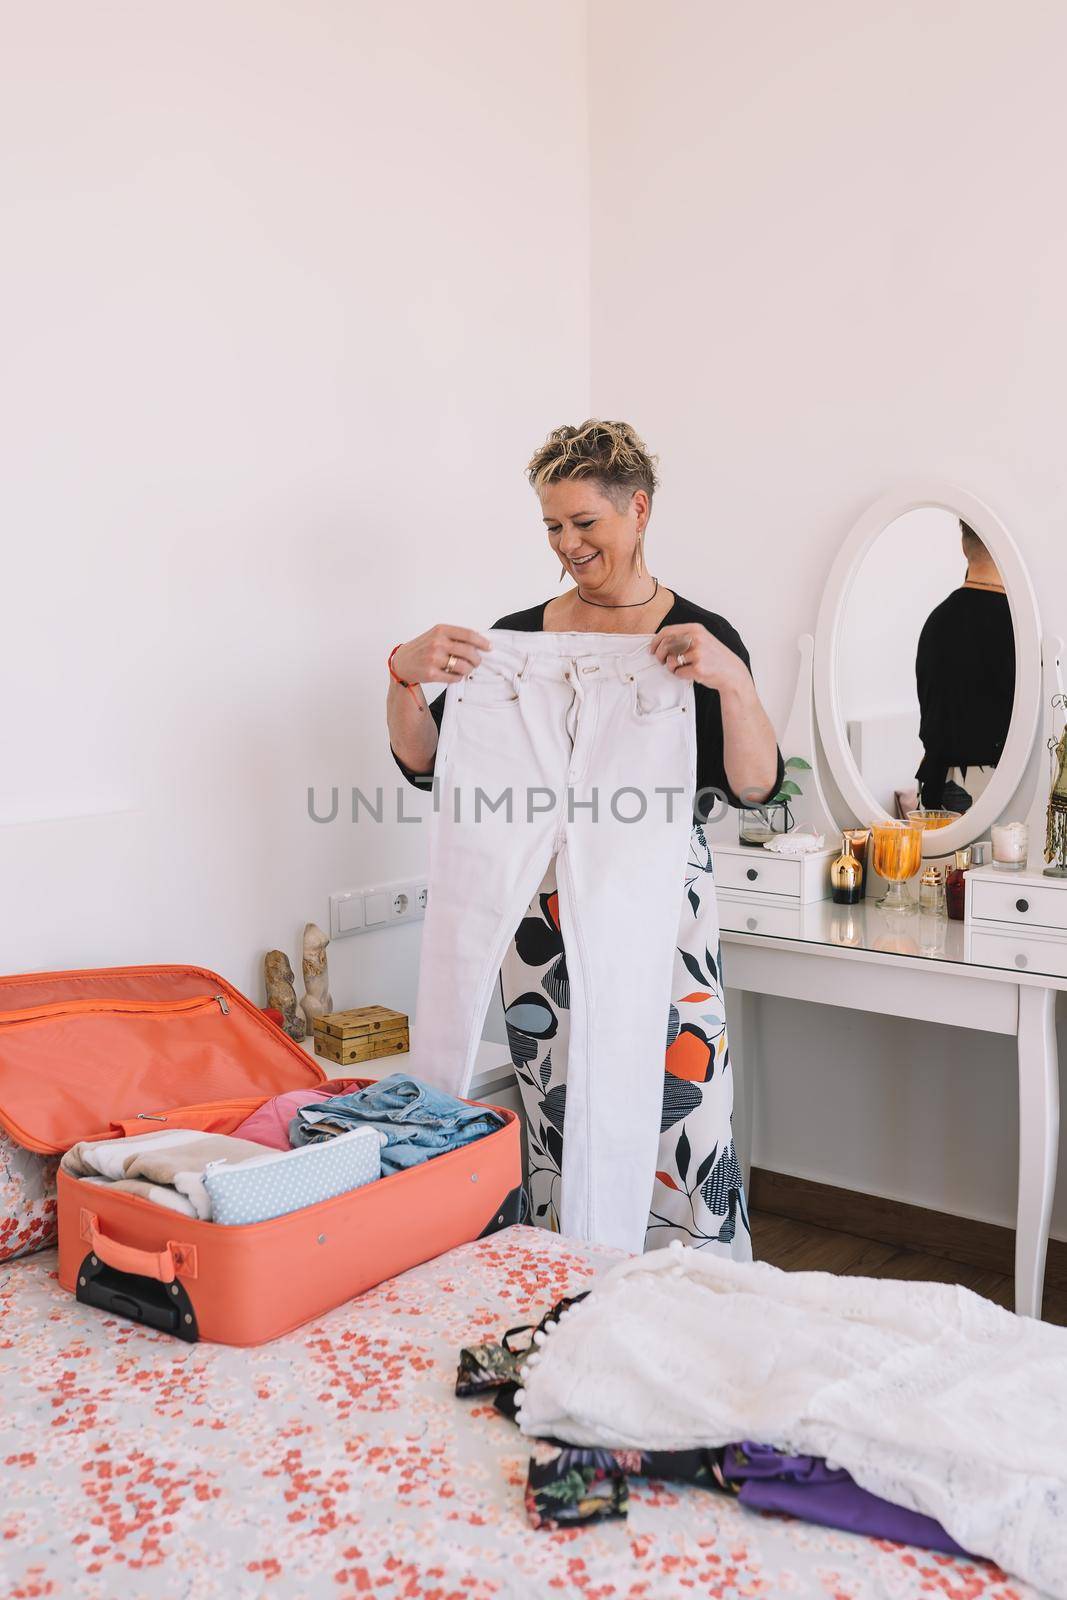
point(163, 1265)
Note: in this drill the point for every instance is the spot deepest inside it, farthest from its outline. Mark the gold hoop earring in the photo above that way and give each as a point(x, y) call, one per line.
point(562, 572)
point(640, 546)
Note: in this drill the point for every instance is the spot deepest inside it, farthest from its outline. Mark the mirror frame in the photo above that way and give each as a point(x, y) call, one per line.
point(1026, 706)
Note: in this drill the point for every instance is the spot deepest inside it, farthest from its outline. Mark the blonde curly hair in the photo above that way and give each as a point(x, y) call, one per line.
point(608, 453)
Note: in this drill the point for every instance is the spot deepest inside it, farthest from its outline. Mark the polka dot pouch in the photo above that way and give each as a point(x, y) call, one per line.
point(278, 1183)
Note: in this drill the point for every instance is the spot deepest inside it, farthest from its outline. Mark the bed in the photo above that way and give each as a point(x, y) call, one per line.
point(337, 1462)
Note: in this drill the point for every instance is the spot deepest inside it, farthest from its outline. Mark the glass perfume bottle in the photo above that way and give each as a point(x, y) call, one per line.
point(955, 887)
point(932, 891)
point(846, 876)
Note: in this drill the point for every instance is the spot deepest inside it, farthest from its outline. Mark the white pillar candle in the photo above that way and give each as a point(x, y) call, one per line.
point(1009, 845)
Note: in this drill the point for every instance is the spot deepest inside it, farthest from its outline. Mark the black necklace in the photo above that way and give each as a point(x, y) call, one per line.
point(629, 604)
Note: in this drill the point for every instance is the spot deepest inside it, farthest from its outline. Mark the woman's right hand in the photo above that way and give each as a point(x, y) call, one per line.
point(423, 659)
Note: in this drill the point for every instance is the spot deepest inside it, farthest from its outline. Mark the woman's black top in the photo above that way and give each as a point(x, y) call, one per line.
point(711, 771)
point(965, 676)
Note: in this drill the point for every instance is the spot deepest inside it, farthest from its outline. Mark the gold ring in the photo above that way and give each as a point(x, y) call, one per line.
point(450, 664)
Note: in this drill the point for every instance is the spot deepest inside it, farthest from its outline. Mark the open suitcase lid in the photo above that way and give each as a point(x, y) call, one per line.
point(80, 1051)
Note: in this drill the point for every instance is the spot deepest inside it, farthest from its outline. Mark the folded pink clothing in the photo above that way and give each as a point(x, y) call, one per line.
point(270, 1124)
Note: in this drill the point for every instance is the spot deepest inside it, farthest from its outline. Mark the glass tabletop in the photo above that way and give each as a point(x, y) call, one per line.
point(921, 935)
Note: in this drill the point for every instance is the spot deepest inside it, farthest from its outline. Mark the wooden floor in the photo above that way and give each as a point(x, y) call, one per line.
point(804, 1247)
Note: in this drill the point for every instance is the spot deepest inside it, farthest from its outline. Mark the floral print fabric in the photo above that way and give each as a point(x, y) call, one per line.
point(699, 1194)
point(27, 1199)
point(337, 1462)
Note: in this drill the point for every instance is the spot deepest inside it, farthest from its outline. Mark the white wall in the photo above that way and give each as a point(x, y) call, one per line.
point(291, 293)
point(828, 254)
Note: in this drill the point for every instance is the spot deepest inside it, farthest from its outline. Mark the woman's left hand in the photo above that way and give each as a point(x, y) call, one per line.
point(703, 658)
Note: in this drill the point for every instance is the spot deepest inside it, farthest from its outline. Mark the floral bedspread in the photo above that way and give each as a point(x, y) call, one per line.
point(337, 1462)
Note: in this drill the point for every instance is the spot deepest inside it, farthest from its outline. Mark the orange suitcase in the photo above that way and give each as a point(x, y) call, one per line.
point(116, 1051)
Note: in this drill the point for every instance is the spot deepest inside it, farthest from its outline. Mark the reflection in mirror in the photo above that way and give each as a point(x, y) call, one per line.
point(926, 665)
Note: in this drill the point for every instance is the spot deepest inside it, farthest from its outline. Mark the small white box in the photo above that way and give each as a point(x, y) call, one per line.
point(751, 870)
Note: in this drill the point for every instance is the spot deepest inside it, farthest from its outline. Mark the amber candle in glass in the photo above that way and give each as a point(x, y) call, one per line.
point(896, 855)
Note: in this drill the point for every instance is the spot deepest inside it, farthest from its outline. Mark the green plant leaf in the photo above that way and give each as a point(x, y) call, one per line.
point(789, 788)
point(798, 762)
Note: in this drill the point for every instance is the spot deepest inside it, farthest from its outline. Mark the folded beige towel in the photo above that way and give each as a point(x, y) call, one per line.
point(173, 1161)
point(169, 1199)
point(107, 1158)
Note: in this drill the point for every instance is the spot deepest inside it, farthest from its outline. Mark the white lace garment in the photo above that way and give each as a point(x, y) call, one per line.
point(928, 1394)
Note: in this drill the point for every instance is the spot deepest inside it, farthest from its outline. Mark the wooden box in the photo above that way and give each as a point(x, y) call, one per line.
point(365, 1033)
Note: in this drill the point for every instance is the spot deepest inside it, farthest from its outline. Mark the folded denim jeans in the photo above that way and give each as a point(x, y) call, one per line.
point(417, 1121)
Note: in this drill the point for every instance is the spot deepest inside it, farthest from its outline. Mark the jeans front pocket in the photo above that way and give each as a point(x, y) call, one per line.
point(654, 695)
point(491, 692)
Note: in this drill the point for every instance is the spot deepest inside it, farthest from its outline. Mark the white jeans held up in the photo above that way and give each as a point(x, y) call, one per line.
point(580, 747)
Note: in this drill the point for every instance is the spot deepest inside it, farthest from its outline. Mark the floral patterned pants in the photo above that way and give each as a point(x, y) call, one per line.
point(699, 1193)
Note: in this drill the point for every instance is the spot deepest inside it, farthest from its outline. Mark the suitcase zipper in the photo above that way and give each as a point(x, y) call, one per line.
point(74, 1008)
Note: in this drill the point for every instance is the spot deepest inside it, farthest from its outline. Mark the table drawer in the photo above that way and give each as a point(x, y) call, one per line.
point(1022, 903)
point(1047, 957)
point(743, 914)
point(757, 872)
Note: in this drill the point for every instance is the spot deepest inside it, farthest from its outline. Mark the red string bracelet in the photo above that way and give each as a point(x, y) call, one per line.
point(410, 687)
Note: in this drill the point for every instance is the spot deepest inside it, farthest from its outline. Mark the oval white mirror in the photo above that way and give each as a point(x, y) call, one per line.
point(928, 664)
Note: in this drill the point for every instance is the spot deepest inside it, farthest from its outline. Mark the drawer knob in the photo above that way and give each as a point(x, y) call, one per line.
point(751, 924)
point(1021, 961)
point(1022, 905)
point(752, 874)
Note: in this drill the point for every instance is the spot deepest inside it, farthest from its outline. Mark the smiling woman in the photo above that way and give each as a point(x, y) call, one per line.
point(595, 483)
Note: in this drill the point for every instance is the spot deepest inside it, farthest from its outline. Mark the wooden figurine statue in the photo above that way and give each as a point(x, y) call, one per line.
point(317, 1001)
point(281, 992)
point(1056, 830)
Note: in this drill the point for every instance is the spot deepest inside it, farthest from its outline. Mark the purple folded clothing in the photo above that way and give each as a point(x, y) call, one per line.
point(805, 1487)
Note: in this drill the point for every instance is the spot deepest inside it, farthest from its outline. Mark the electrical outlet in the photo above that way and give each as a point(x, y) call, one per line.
point(360, 910)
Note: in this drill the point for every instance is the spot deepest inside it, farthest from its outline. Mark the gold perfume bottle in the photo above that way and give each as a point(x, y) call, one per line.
point(859, 839)
point(846, 876)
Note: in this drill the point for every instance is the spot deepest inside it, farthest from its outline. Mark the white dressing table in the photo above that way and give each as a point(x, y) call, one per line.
point(858, 673)
point(797, 953)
